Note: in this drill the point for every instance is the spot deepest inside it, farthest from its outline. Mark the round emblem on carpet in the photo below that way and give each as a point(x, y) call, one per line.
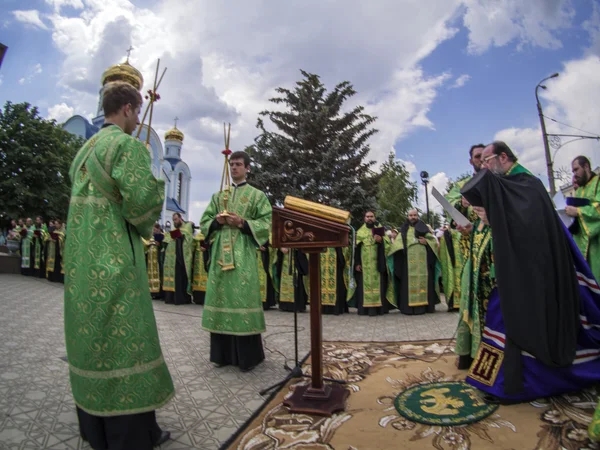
point(445, 403)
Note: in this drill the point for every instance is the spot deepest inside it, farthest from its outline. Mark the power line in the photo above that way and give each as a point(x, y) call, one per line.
point(570, 126)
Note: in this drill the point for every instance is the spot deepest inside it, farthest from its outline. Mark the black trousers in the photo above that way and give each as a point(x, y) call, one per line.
point(128, 432)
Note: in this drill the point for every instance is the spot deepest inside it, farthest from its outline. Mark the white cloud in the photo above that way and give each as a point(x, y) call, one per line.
point(215, 76)
point(60, 112)
point(30, 17)
point(460, 81)
point(530, 23)
point(32, 72)
point(572, 99)
point(58, 4)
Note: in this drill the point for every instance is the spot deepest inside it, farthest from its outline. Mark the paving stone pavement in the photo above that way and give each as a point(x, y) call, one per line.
point(36, 405)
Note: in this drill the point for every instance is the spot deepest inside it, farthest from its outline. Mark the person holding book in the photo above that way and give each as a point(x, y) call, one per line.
point(415, 263)
point(374, 292)
point(585, 206)
point(177, 278)
point(236, 221)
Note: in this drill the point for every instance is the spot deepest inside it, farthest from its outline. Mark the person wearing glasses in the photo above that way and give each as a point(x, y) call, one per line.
point(540, 336)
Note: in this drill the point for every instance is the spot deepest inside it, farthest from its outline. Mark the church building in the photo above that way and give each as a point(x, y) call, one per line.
point(166, 164)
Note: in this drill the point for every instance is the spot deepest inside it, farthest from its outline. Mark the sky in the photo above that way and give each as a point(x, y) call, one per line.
point(440, 75)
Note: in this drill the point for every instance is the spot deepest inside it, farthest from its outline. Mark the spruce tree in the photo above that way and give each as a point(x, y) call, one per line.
point(318, 150)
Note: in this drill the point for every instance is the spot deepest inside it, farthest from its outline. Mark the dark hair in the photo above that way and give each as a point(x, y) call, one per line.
point(40, 217)
point(500, 147)
point(118, 94)
point(473, 147)
point(370, 211)
point(240, 155)
point(178, 215)
point(582, 161)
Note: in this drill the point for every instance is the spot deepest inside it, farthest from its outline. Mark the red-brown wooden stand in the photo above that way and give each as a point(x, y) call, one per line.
point(313, 235)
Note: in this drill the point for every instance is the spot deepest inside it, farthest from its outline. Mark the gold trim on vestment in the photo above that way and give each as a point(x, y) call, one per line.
point(117, 373)
point(128, 411)
point(137, 220)
point(80, 200)
point(232, 310)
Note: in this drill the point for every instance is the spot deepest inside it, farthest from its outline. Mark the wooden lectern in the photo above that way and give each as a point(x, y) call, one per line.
point(313, 235)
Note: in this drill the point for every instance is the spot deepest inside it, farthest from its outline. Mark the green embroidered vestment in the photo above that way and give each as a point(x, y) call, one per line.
point(233, 304)
point(115, 361)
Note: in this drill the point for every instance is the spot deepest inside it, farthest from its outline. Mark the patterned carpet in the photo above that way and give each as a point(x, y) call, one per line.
point(376, 372)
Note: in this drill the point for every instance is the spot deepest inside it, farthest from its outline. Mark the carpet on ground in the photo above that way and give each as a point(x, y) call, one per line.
point(378, 372)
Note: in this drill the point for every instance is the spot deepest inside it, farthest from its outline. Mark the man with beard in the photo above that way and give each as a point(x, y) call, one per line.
point(414, 256)
point(233, 311)
point(586, 230)
point(54, 251)
point(27, 247)
point(541, 327)
point(177, 280)
point(374, 292)
point(118, 373)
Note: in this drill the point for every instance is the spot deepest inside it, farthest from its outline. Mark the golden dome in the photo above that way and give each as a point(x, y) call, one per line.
point(174, 134)
point(123, 72)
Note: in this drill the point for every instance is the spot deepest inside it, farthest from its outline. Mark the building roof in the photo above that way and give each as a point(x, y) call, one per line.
point(172, 205)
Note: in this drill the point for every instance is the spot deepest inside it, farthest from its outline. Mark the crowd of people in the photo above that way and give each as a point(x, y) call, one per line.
point(525, 287)
point(40, 246)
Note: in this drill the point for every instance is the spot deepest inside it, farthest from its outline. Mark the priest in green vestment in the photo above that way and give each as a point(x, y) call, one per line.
point(27, 247)
point(200, 273)
point(233, 311)
point(179, 257)
point(266, 259)
point(586, 230)
point(54, 246)
point(118, 373)
point(40, 235)
point(415, 263)
point(476, 285)
point(291, 268)
point(453, 248)
point(153, 249)
point(374, 290)
point(334, 290)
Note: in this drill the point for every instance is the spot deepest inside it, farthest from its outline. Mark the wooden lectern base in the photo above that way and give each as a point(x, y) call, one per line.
point(325, 402)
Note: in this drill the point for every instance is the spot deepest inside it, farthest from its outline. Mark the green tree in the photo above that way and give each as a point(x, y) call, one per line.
point(35, 156)
point(453, 181)
point(316, 151)
point(436, 219)
point(396, 192)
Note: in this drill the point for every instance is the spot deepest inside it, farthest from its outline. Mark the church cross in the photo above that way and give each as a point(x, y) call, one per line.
point(129, 52)
point(176, 119)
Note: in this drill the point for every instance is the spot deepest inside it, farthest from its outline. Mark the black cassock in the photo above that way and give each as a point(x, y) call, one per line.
point(180, 296)
point(536, 278)
point(299, 268)
point(401, 273)
point(265, 257)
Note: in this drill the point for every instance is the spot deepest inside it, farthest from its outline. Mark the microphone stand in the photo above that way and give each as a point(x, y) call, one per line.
point(296, 371)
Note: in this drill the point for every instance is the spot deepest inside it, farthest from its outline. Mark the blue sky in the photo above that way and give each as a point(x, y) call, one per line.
point(439, 74)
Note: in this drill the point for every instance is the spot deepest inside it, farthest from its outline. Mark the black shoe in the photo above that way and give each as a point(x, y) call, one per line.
point(164, 437)
point(247, 369)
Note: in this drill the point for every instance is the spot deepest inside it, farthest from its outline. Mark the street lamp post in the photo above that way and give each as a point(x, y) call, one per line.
point(549, 166)
point(425, 181)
